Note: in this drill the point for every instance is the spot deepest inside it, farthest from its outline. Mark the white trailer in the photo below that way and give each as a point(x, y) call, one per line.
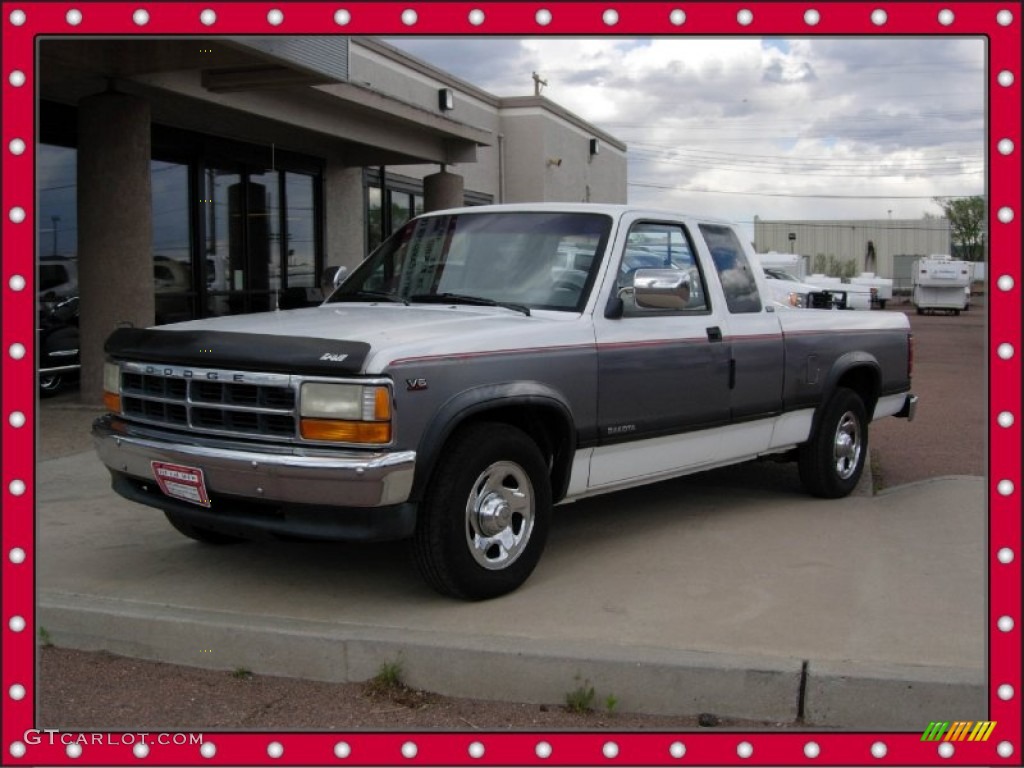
point(880, 287)
point(941, 283)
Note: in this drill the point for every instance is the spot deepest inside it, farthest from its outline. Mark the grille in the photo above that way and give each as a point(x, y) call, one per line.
point(215, 402)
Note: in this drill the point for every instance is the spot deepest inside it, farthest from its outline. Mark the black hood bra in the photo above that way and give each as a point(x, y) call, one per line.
point(238, 351)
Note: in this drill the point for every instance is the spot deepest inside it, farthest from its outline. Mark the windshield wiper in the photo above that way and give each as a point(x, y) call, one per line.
point(357, 295)
point(458, 298)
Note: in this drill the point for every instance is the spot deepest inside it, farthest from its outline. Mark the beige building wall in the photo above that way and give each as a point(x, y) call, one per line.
point(849, 239)
point(553, 156)
point(538, 150)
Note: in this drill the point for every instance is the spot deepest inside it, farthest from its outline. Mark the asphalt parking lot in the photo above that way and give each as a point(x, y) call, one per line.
point(732, 586)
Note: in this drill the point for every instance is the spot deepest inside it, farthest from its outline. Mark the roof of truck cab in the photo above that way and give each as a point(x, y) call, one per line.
point(608, 209)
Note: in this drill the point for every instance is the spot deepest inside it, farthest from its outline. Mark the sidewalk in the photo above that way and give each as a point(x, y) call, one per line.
point(724, 593)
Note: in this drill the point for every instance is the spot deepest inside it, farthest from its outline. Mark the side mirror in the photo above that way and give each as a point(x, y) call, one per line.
point(339, 276)
point(661, 288)
point(333, 277)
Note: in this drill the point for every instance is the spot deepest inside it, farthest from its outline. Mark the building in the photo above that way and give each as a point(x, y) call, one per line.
point(886, 247)
point(185, 178)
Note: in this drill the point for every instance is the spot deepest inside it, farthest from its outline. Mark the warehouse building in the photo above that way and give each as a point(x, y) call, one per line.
point(186, 178)
point(887, 247)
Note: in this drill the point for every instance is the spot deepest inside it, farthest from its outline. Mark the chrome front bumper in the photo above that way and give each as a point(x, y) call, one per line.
point(343, 478)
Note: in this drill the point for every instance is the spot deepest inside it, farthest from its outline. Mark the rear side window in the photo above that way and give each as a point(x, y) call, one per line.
point(733, 269)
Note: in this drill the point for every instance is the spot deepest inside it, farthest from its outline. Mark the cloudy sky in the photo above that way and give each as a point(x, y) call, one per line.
point(814, 128)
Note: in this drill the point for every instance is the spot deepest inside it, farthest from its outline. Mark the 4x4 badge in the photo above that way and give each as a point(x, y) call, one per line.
point(415, 385)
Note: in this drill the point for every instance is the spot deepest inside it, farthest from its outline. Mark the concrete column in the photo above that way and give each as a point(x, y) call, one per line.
point(443, 190)
point(115, 226)
point(344, 214)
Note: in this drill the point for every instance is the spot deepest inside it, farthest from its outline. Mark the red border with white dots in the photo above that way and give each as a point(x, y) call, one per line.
point(999, 22)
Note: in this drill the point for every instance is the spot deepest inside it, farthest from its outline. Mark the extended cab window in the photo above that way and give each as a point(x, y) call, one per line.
point(733, 269)
point(653, 245)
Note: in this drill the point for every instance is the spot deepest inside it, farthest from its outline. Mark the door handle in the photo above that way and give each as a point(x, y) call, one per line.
point(714, 333)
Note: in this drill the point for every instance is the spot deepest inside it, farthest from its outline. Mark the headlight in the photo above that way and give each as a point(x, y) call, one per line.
point(347, 413)
point(112, 387)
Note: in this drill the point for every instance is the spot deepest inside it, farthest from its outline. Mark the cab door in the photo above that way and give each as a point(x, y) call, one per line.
point(663, 374)
point(756, 346)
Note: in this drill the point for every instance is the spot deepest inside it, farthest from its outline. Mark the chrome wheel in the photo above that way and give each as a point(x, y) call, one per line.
point(847, 446)
point(500, 514)
point(50, 384)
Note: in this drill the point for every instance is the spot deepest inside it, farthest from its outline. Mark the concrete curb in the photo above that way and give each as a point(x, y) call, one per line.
point(892, 698)
point(642, 679)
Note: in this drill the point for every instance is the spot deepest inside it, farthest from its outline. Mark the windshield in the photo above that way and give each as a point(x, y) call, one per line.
point(519, 260)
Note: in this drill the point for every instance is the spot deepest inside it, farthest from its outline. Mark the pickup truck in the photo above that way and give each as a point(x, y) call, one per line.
point(788, 291)
point(482, 366)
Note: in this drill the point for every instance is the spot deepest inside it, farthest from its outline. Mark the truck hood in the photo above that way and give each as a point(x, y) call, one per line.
point(335, 338)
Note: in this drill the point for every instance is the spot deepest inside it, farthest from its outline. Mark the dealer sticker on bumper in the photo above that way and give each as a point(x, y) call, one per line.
point(179, 482)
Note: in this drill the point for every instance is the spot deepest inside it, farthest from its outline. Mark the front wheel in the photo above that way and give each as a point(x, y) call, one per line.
point(484, 521)
point(832, 461)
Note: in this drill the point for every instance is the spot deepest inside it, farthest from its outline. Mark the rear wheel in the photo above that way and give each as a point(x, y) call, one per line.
point(484, 522)
point(832, 461)
point(199, 533)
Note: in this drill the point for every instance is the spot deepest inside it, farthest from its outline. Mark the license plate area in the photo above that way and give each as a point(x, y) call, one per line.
point(181, 482)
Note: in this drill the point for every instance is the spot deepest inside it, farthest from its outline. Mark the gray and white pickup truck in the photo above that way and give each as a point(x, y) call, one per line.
point(482, 366)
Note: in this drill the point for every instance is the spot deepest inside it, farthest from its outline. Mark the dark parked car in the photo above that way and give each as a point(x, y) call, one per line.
point(58, 346)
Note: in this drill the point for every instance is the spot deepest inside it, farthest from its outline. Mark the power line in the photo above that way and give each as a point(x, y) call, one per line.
point(648, 185)
point(780, 168)
point(758, 159)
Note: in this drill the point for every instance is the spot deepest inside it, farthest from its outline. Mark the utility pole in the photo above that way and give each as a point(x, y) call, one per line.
point(538, 84)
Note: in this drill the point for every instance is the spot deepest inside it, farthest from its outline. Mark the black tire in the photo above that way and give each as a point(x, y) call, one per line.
point(484, 521)
point(198, 533)
point(832, 461)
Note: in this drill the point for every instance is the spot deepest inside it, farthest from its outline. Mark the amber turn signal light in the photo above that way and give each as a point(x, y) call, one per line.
point(345, 431)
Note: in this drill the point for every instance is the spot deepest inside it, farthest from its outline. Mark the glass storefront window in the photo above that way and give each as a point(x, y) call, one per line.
point(224, 263)
point(228, 235)
point(374, 218)
point(300, 254)
point(400, 208)
point(172, 252)
point(263, 225)
point(57, 222)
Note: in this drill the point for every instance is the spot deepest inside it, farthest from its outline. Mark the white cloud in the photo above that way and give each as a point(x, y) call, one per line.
point(801, 125)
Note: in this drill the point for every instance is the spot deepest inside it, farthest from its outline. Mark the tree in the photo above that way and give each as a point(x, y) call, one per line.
point(967, 225)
